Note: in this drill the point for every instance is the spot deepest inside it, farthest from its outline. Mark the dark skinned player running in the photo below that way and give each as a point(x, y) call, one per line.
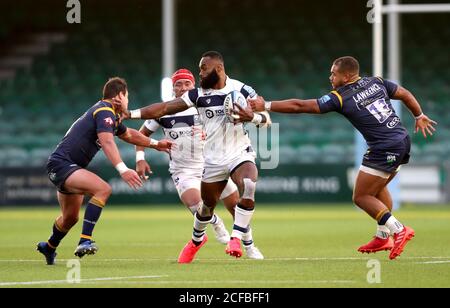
point(228, 151)
point(365, 102)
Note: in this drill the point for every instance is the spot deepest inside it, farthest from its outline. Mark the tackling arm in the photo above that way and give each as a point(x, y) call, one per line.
point(285, 106)
point(146, 132)
point(295, 106)
point(133, 136)
point(158, 110)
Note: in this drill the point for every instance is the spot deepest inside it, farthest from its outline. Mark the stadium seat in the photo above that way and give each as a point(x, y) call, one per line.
point(279, 54)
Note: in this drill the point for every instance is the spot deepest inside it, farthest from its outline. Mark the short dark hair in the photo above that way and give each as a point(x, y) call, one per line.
point(347, 65)
point(213, 55)
point(113, 87)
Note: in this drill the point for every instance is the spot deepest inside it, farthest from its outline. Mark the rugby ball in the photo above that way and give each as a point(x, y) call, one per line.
point(234, 97)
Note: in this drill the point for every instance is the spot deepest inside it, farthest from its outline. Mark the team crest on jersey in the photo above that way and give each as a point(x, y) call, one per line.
point(172, 122)
point(109, 121)
point(52, 176)
point(208, 101)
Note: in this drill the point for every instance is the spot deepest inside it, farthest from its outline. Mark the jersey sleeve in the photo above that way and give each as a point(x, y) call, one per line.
point(248, 92)
point(391, 87)
point(329, 102)
point(105, 121)
point(151, 125)
point(190, 97)
point(121, 129)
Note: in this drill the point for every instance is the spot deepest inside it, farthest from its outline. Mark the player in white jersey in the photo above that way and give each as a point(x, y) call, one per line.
point(228, 151)
point(186, 161)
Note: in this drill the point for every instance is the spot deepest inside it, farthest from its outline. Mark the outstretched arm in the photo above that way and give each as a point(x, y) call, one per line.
point(158, 110)
point(133, 136)
point(423, 123)
point(285, 106)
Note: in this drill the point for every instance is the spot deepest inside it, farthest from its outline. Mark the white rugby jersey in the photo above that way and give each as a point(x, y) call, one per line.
point(185, 130)
point(224, 140)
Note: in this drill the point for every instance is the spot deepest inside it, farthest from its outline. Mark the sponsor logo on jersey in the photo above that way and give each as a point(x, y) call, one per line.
point(391, 159)
point(324, 99)
point(393, 123)
point(211, 113)
point(173, 135)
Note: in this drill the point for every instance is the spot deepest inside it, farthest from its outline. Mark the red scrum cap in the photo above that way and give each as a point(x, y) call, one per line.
point(182, 74)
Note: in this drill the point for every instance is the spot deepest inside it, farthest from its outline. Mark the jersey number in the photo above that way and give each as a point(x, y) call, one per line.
point(380, 110)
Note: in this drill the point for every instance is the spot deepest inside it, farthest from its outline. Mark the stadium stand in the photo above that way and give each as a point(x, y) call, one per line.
point(50, 75)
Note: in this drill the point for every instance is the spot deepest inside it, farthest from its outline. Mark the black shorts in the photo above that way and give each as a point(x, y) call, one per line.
point(59, 170)
point(388, 159)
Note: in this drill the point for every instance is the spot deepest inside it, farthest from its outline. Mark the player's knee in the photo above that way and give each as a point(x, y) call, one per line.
point(205, 210)
point(249, 189)
point(210, 200)
point(104, 192)
point(357, 199)
point(194, 205)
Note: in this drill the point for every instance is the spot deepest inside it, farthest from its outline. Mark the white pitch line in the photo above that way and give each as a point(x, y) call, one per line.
point(230, 259)
point(236, 282)
point(434, 262)
point(26, 283)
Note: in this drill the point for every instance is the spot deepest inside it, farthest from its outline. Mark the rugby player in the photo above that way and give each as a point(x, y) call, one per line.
point(227, 151)
point(93, 131)
point(366, 103)
point(186, 161)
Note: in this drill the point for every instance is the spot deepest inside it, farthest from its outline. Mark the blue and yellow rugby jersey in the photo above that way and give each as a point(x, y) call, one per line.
point(80, 144)
point(366, 104)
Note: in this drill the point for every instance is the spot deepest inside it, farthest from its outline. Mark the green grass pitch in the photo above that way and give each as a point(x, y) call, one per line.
point(312, 246)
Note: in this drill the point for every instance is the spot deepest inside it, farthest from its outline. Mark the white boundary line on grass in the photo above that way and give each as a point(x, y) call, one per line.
point(434, 262)
point(253, 282)
point(5, 284)
point(244, 259)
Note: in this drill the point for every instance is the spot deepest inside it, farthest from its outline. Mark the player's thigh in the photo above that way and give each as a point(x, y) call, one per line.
point(368, 184)
point(211, 192)
point(70, 204)
point(188, 187)
point(83, 181)
point(191, 197)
